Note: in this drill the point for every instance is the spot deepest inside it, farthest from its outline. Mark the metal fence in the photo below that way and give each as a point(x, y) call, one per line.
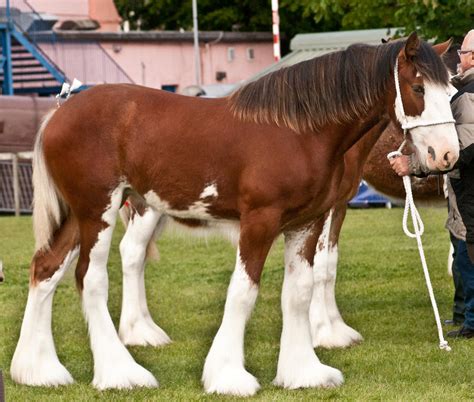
point(16, 189)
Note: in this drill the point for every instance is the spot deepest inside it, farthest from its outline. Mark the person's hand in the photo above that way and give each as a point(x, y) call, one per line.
point(470, 251)
point(401, 165)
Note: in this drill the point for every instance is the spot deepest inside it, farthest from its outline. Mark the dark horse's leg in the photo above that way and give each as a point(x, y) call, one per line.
point(298, 365)
point(328, 329)
point(35, 361)
point(224, 371)
point(114, 367)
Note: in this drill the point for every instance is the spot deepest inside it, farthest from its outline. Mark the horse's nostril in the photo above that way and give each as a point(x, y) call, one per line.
point(446, 156)
point(431, 151)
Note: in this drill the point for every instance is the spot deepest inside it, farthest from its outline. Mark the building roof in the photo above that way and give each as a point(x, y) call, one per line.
point(157, 36)
point(306, 46)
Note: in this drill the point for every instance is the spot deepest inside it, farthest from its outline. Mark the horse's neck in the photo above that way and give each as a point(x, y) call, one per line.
point(364, 146)
point(364, 132)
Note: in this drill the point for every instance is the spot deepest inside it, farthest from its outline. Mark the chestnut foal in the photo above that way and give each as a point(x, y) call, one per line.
point(267, 160)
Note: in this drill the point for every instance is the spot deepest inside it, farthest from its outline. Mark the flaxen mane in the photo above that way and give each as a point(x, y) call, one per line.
point(337, 87)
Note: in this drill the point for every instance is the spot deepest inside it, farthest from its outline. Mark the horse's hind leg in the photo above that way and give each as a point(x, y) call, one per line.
point(114, 367)
point(298, 365)
point(318, 314)
point(35, 361)
point(328, 329)
point(136, 325)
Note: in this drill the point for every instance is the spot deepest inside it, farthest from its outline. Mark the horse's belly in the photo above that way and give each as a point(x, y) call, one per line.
point(228, 229)
point(195, 218)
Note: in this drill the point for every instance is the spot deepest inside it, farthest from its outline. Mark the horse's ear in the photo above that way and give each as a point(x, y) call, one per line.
point(442, 48)
point(411, 46)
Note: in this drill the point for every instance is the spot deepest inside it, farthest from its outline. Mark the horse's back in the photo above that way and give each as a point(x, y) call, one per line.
point(111, 124)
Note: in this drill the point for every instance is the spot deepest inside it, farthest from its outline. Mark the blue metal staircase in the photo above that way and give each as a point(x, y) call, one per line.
point(24, 68)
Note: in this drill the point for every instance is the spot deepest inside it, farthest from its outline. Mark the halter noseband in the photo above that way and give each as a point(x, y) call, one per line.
point(405, 124)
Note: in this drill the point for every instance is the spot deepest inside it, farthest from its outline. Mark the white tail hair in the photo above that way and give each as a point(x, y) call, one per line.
point(48, 206)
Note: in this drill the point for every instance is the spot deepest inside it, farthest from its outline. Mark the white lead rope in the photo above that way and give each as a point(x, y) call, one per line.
point(419, 229)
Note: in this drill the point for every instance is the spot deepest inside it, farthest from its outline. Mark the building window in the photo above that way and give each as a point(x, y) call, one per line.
point(169, 88)
point(250, 53)
point(230, 54)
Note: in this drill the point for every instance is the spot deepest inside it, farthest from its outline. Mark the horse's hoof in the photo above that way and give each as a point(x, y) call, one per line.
point(338, 335)
point(45, 374)
point(309, 376)
point(123, 377)
point(230, 381)
point(143, 332)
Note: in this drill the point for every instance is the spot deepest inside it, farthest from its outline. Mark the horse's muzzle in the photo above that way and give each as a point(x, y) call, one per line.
point(441, 161)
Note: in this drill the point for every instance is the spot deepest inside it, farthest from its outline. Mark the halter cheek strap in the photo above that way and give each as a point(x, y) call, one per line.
point(404, 120)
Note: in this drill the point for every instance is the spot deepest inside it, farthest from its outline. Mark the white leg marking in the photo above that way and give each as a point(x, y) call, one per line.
point(224, 371)
point(318, 314)
point(35, 361)
point(136, 325)
point(114, 367)
point(298, 365)
point(342, 335)
point(328, 329)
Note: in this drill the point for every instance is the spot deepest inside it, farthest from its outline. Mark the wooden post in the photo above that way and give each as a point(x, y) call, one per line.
point(16, 184)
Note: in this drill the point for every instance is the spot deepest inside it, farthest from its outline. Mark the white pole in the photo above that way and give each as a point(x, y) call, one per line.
point(276, 30)
point(197, 58)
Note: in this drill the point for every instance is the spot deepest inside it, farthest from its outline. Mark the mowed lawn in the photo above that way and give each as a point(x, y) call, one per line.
point(380, 289)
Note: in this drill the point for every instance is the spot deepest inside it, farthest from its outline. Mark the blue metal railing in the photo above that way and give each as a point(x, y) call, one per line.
point(11, 31)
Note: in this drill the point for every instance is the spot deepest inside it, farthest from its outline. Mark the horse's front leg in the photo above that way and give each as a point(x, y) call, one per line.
point(298, 365)
point(224, 371)
point(136, 324)
point(328, 329)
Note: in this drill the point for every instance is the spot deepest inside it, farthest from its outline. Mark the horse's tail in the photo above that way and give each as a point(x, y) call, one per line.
point(49, 208)
point(152, 253)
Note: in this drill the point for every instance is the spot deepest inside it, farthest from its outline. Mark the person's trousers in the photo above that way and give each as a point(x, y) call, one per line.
point(458, 301)
point(466, 270)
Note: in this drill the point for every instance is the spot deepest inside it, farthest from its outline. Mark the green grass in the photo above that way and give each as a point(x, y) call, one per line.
point(381, 293)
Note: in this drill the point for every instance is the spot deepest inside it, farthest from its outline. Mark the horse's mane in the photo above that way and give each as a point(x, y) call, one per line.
point(337, 87)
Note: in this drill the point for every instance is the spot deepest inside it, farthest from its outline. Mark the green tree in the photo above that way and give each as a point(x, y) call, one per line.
point(433, 19)
point(439, 19)
point(224, 15)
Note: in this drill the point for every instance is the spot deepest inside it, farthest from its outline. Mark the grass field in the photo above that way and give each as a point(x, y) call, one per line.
point(381, 293)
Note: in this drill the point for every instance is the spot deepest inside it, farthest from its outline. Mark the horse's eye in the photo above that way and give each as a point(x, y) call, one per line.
point(418, 89)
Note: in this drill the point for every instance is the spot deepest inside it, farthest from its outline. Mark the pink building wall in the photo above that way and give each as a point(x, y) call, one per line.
point(155, 65)
point(164, 59)
point(88, 62)
point(103, 11)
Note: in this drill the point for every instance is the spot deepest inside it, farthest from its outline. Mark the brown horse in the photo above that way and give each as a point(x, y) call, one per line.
point(328, 329)
point(267, 160)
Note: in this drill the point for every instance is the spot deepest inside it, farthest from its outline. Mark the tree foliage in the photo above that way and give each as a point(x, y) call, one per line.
point(223, 15)
point(439, 19)
point(433, 19)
